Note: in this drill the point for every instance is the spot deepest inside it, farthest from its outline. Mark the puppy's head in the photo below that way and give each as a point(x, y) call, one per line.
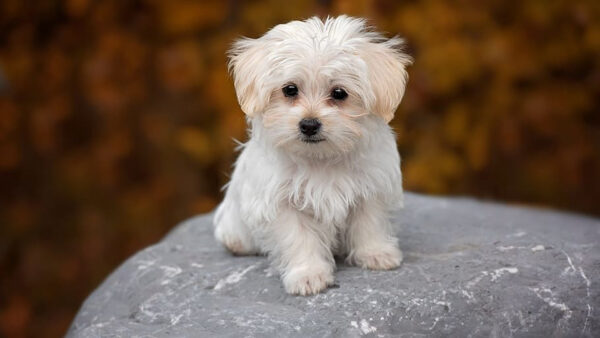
point(313, 85)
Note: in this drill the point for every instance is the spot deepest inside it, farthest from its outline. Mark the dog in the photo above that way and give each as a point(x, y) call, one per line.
point(320, 172)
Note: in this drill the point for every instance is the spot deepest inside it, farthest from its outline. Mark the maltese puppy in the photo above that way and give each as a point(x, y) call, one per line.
point(321, 170)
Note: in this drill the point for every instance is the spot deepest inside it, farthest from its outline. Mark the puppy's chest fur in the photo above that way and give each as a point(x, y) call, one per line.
point(326, 193)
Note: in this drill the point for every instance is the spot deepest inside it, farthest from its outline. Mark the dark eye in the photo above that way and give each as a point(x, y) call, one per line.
point(339, 94)
point(290, 90)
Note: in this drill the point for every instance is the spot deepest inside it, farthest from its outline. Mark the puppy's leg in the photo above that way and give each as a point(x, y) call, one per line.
point(232, 232)
point(302, 253)
point(370, 240)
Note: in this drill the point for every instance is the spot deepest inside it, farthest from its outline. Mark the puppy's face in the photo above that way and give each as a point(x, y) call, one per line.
point(313, 84)
point(316, 109)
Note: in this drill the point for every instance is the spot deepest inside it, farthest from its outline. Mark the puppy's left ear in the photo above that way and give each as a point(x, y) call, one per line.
point(247, 66)
point(386, 64)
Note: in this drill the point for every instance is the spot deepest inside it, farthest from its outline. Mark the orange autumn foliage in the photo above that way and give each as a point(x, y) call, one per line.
point(117, 119)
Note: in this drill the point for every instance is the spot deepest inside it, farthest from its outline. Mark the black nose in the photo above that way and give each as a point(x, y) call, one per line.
point(309, 127)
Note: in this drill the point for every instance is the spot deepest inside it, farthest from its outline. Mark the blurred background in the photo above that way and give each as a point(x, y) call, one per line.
point(117, 119)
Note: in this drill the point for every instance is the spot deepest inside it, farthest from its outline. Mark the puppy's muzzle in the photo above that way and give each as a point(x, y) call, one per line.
point(309, 127)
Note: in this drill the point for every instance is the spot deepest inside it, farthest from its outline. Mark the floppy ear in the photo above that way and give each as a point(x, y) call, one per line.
point(386, 64)
point(247, 66)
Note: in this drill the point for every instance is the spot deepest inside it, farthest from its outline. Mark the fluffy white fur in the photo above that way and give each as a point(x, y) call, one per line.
point(302, 203)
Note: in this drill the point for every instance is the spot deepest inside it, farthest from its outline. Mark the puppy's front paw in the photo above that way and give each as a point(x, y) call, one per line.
point(384, 258)
point(307, 281)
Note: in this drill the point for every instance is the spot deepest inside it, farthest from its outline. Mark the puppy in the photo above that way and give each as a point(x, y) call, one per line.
point(321, 170)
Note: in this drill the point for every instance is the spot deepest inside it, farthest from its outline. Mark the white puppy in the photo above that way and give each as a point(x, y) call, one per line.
point(321, 171)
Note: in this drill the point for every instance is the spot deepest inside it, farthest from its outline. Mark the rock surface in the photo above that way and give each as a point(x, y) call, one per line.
point(470, 269)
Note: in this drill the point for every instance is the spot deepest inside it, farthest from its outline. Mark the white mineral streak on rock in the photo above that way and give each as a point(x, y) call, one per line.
point(511, 247)
point(196, 265)
point(467, 294)
point(100, 325)
point(414, 302)
point(170, 272)
point(552, 301)
point(143, 265)
point(571, 268)
point(176, 318)
point(476, 280)
point(588, 284)
point(499, 272)
point(234, 277)
point(518, 234)
point(269, 272)
point(147, 306)
point(443, 301)
point(509, 322)
point(494, 276)
point(587, 318)
point(435, 321)
point(365, 327)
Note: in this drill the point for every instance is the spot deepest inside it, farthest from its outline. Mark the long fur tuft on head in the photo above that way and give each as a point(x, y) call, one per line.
point(373, 66)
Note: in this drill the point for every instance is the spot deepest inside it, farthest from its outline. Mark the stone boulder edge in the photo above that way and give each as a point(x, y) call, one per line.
point(470, 268)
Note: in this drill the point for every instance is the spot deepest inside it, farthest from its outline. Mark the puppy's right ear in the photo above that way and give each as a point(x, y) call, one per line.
point(247, 66)
point(387, 73)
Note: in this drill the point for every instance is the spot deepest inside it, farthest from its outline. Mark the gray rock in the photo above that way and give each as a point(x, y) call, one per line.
point(471, 269)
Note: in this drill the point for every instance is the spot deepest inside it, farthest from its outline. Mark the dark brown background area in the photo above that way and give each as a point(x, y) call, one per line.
point(117, 119)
